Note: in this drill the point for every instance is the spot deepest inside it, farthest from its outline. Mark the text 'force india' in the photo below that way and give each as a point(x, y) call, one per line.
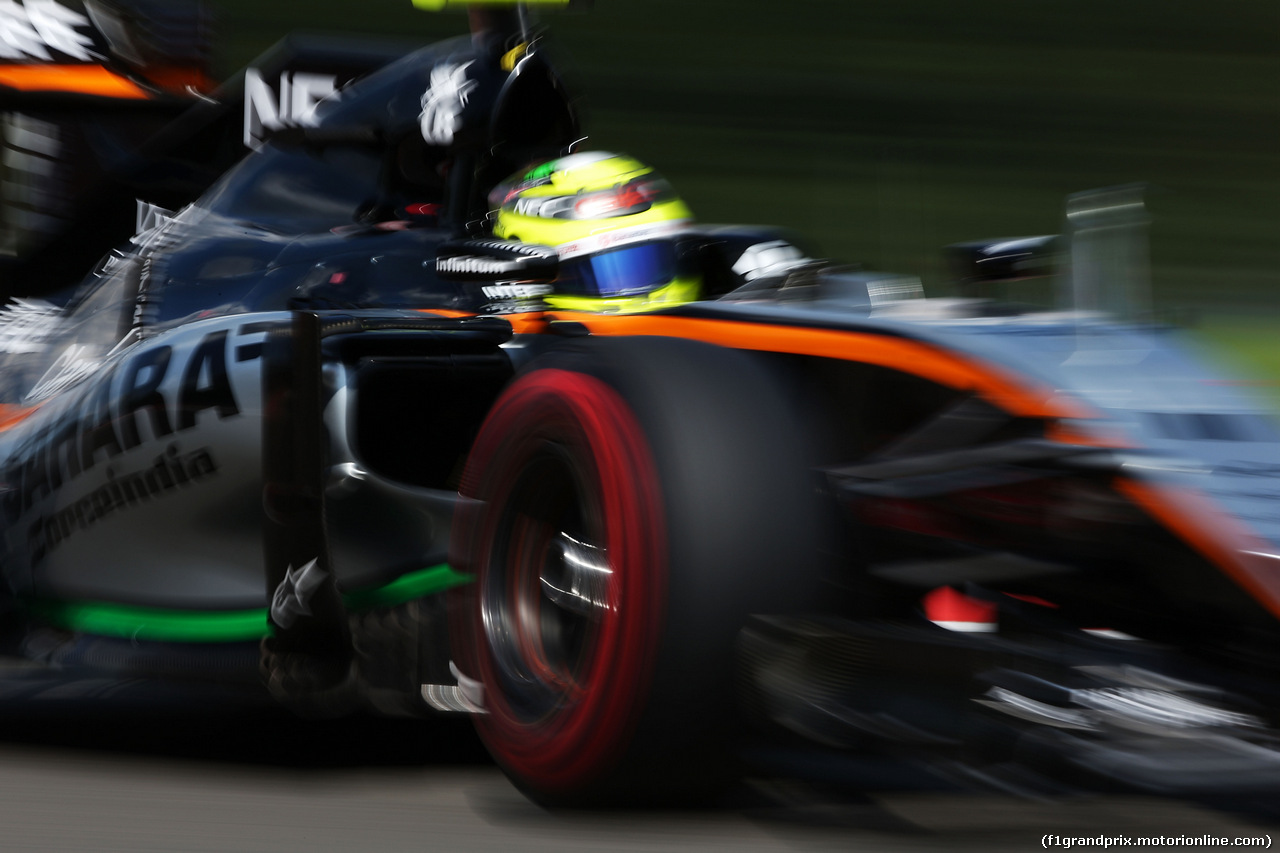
point(321, 429)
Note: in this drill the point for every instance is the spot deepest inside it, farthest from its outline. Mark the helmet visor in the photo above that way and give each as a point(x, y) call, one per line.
point(626, 271)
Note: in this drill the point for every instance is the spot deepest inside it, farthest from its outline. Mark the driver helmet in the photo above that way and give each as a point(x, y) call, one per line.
point(613, 221)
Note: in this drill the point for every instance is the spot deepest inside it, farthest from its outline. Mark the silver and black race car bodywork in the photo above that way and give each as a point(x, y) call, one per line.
point(315, 429)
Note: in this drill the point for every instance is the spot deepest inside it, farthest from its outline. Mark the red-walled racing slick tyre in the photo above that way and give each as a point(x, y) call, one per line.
point(636, 500)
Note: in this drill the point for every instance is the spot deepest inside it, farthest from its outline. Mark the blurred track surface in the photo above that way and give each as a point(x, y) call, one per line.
point(106, 766)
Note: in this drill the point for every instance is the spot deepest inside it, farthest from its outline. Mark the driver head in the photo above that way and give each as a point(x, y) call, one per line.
point(614, 222)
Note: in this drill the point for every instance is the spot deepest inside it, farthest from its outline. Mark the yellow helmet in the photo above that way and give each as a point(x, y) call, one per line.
point(613, 221)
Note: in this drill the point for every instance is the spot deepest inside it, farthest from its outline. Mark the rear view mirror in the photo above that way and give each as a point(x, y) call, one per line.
point(1021, 269)
point(1009, 259)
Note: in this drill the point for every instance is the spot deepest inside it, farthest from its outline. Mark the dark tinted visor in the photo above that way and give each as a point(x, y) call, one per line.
point(627, 271)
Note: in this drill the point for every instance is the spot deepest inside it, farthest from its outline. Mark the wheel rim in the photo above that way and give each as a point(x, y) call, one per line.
point(547, 595)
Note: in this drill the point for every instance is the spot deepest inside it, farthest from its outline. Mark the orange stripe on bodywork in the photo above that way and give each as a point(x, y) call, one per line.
point(181, 81)
point(1017, 397)
point(1228, 543)
point(79, 79)
point(524, 323)
point(528, 323)
point(11, 415)
point(446, 312)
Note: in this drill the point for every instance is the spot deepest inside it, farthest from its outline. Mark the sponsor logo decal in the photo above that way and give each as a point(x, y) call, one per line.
point(293, 595)
point(490, 265)
point(516, 291)
point(545, 207)
point(265, 110)
point(43, 30)
point(476, 264)
point(169, 471)
point(102, 419)
point(513, 298)
point(443, 102)
point(629, 199)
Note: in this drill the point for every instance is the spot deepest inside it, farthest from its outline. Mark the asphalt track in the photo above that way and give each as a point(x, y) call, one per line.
point(104, 766)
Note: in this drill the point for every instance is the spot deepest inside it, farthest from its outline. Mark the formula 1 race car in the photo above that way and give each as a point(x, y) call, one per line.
point(332, 428)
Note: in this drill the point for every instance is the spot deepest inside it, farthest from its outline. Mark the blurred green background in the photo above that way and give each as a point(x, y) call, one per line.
point(883, 130)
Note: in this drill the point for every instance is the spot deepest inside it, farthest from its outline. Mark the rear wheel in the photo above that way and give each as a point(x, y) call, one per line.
point(636, 500)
